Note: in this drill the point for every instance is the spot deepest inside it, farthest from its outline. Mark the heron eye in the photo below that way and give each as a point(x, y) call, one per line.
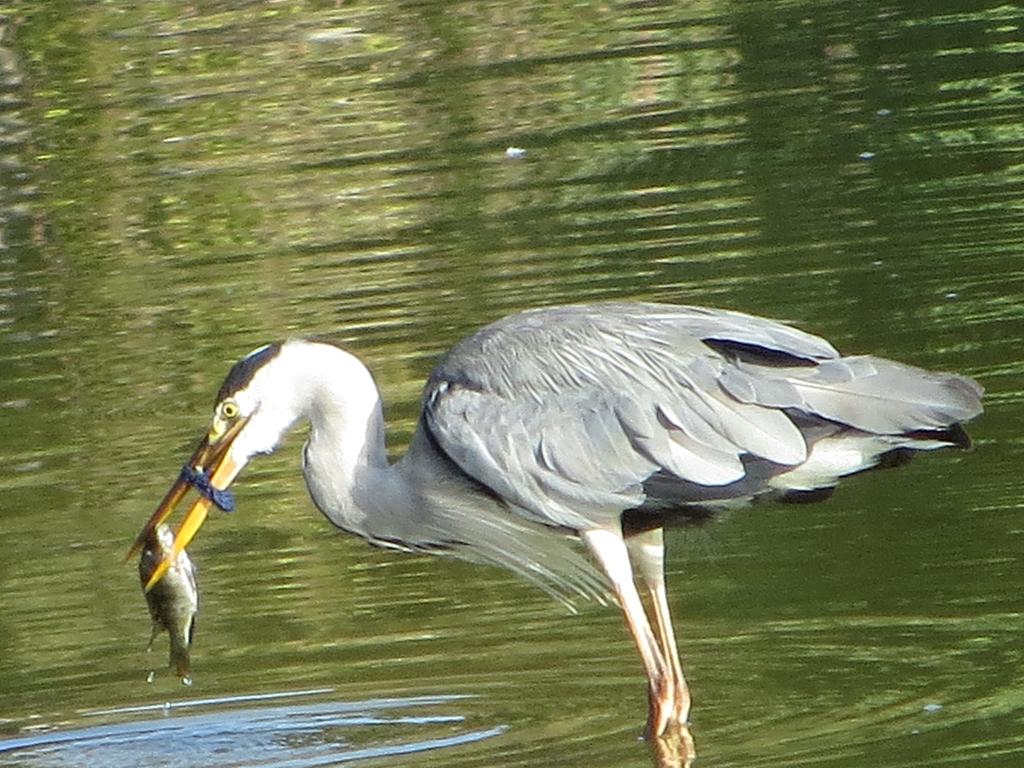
point(229, 409)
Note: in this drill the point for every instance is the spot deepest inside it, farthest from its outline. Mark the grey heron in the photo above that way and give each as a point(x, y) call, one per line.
point(598, 422)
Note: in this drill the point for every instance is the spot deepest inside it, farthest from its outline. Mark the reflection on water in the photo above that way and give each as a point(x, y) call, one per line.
point(227, 734)
point(182, 182)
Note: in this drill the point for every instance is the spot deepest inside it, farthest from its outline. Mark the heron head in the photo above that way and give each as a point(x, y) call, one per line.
point(255, 406)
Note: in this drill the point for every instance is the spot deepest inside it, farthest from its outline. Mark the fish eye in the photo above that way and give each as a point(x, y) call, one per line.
point(229, 409)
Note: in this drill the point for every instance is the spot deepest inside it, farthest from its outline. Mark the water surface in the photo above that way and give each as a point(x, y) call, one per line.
point(182, 182)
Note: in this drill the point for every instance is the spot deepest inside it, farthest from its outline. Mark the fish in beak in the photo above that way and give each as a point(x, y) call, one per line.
point(210, 470)
point(174, 600)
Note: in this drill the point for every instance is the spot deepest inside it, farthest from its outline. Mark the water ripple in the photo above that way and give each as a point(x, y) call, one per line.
point(224, 734)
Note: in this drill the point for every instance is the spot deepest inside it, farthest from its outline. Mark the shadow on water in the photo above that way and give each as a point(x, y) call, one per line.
point(225, 731)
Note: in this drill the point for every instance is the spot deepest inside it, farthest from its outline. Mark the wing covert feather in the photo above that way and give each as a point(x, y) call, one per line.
point(566, 412)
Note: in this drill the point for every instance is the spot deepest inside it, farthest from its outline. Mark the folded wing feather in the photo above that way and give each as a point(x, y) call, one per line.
point(566, 412)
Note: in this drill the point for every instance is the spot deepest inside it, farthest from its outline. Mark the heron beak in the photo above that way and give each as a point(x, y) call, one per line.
point(212, 457)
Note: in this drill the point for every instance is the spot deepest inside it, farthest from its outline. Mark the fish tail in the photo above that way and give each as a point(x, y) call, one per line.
point(181, 662)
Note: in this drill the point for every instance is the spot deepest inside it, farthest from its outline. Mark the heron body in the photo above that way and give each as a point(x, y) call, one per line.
point(601, 423)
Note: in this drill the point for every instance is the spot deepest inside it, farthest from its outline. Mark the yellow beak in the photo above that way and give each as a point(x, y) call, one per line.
point(211, 458)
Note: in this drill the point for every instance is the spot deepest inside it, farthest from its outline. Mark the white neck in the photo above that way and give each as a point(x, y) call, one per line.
point(344, 462)
point(335, 392)
point(345, 456)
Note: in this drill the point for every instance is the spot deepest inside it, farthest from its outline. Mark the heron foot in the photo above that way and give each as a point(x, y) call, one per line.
point(668, 706)
point(668, 732)
point(668, 709)
point(674, 748)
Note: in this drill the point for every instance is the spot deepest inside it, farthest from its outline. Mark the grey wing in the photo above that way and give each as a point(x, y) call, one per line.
point(574, 414)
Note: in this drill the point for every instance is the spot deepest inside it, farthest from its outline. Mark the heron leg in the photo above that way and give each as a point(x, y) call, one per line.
point(609, 549)
point(647, 552)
